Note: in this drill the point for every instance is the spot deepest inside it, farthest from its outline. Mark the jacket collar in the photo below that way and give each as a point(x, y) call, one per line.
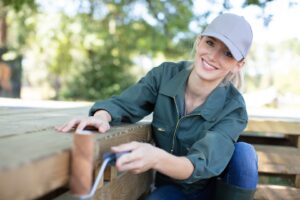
point(209, 109)
point(213, 105)
point(176, 85)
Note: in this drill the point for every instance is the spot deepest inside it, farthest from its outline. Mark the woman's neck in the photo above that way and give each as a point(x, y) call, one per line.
point(199, 89)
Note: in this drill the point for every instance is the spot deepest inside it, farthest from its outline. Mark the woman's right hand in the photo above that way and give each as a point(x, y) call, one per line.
point(99, 121)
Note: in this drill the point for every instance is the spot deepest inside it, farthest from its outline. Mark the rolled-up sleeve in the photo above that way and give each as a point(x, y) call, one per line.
point(211, 154)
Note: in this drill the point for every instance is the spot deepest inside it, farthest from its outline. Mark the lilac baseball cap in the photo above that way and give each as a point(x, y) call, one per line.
point(234, 31)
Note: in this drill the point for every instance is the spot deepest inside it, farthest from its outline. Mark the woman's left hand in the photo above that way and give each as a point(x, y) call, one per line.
point(142, 157)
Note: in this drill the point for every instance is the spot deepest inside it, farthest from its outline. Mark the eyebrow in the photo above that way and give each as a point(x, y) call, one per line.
point(211, 38)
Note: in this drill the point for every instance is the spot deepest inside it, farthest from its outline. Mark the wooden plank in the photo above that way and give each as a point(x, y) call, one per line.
point(23, 149)
point(276, 192)
point(278, 159)
point(297, 178)
point(34, 114)
point(266, 140)
point(124, 187)
point(23, 111)
point(274, 125)
point(35, 179)
point(17, 110)
point(37, 163)
point(37, 121)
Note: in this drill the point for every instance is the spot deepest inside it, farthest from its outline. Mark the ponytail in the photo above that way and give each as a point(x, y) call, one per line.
point(237, 79)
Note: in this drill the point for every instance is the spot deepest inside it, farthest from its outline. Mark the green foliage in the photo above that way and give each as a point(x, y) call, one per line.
point(91, 57)
point(19, 4)
point(91, 53)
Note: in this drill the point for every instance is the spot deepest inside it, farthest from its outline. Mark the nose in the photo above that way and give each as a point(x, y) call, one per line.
point(214, 54)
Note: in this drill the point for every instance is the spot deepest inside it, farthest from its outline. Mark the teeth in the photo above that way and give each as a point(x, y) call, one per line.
point(208, 65)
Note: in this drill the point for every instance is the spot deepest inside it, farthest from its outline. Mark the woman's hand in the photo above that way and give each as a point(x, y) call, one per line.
point(142, 157)
point(100, 121)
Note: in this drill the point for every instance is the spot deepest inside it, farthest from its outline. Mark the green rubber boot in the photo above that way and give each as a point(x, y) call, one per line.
point(230, 192)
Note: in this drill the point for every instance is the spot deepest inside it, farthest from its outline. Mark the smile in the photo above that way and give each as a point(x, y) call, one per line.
point(208, 66)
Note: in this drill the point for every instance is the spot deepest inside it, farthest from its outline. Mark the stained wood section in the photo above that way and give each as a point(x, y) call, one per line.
point(110, 173)
point(35, 159)
point(276, 192)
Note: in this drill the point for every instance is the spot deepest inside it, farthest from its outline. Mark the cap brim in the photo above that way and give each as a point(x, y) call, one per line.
point(234, 50)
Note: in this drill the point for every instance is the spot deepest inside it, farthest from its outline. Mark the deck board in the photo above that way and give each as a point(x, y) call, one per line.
point(277, 192)
point(278, 159)
point(35, 158)
point(38, 120)
point(274, 125)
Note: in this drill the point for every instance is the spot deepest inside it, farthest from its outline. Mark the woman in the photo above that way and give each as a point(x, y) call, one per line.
point(198, 115)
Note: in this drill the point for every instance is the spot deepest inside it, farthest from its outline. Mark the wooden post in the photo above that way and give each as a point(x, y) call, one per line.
point(297, 178)
point(82, 164)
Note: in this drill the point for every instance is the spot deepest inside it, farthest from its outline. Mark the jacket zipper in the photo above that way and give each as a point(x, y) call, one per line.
point(177, 124)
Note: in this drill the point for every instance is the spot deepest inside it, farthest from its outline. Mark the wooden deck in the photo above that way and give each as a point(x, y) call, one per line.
point(35, 159)
point(277, 142)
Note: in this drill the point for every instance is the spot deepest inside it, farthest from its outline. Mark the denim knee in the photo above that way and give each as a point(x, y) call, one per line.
point(242, 169)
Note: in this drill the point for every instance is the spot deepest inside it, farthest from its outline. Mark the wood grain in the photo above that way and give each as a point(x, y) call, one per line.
point(274, 125)
point(278, 159)
point(36, 163)
point(127, 186)
point(276, 192)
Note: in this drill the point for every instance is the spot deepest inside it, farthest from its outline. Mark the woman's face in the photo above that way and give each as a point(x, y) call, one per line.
point(213, 60)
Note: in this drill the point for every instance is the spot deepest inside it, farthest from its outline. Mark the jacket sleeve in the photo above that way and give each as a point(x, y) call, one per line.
point(212, 153)
point(135, 102)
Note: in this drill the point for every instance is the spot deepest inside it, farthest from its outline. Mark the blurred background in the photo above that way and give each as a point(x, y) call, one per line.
point(86, 50)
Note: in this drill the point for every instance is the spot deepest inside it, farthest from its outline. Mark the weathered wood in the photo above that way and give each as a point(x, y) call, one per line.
point(42, 162)
point(27, 148)
point(37, 121)
point(275, 125)
point(277, 159)
point(126, 186)
point(35, 179)
point(276, 192)
point(37, 112)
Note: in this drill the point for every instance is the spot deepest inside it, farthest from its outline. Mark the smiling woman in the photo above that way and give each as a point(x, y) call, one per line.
point(198, 115)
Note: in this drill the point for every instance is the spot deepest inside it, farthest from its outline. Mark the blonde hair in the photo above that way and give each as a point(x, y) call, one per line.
point(237, 79)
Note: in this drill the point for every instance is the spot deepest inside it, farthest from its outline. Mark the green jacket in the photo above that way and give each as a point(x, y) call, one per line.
point(206, 136)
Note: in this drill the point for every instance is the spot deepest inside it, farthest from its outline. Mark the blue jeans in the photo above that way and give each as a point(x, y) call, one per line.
point(242, 171)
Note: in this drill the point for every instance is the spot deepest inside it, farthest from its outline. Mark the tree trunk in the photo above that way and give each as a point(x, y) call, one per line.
point(3, 27)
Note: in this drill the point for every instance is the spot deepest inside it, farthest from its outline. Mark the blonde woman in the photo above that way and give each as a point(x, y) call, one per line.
point(198, 115)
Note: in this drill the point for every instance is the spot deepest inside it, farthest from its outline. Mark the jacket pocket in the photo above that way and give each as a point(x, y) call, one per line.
point(161, 134)
point(160, 128)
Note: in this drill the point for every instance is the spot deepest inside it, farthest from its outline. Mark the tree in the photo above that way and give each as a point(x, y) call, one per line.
point(91, 53)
